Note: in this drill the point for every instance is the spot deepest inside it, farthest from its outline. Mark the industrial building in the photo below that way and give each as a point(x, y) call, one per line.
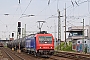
point(79, 35)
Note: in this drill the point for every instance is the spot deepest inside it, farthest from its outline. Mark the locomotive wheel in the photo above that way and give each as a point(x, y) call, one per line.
point(35, 54)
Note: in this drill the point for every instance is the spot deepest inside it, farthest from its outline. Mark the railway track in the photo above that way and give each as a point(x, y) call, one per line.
point(12, 56)
point(41, 57)
point(55, 58)
point(19, 56)
point(58, 58)
point(46, 58)
point(74, 56)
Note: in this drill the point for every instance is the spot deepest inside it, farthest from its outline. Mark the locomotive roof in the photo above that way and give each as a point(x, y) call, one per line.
point(42, 32)
point(32, 34)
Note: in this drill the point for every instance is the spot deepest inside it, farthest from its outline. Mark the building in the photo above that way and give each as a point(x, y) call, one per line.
point(80, 45)
point(4, 42)
point(76, 33)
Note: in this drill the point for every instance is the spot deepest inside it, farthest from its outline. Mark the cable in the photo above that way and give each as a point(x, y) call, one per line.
point(44, 8)
point(71, 24)
point(26, 7)
point(2, 22)
point(23, 12)
point(77, 6)
point(20, 8)
point(68, 7)
point(14, 13)
point(40, 11)
point(14, 16)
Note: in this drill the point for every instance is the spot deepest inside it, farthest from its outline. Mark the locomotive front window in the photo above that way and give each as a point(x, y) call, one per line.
point(45, 39)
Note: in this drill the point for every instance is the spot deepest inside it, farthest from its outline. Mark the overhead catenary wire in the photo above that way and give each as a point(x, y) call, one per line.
point(69, 7)
point(72, 3)
point(14, 14)
point(79, 4)
point(71, 24)
point(60, 11)
point(2, 22)
point(49, 4)
point(22, 13)
point(7, 28)
point(45, 7)
point(26, 8)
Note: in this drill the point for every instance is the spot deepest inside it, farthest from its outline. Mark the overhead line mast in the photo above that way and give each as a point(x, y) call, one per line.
point(65, 25)
point(59, 29)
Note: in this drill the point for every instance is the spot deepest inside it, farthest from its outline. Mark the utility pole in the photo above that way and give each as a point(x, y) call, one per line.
point(25, 29)
point(55, 33)
point(23, 34)
point(59, 29)
point(65, 26)
point(83, 36)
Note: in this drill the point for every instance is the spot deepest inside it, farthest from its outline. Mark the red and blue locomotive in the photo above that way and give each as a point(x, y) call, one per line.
point(41, 43)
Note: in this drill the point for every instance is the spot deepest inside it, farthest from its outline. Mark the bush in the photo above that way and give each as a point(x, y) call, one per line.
point(63, 48)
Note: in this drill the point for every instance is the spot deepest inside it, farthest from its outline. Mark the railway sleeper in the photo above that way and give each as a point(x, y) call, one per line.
point(84, 57)
point(61, 55)
point(67, 56)
point(71, 57)
point(77, 56)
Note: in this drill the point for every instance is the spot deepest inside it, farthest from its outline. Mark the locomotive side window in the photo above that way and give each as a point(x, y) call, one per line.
point(45, 39)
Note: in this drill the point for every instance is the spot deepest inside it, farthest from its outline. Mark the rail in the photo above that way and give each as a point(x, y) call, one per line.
point(9, 55)
point(13, 54)
point(72, 55)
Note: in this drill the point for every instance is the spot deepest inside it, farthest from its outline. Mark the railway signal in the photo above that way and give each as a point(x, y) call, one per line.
point(19, 24)
point(19, 32)
point(12, 34)
point(19, 28)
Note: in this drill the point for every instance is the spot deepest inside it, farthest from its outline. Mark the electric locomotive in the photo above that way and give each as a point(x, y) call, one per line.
point(41, 43)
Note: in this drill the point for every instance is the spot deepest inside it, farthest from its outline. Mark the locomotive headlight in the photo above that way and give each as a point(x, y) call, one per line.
point(40, 47)
point(51, 47)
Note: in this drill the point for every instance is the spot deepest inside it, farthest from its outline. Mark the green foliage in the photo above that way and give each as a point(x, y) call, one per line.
point(85, 50)
point(67, 48)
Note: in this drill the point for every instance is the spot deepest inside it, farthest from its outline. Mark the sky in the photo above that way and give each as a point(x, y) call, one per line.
point(44, 10)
